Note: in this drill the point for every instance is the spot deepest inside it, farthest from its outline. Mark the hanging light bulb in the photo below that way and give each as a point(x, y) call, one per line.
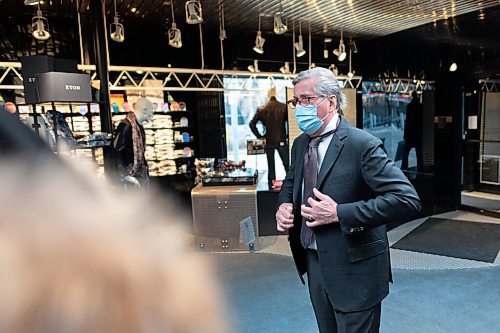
point(174, 34)
point(259, 41)
point(194, 12)
point(279, 27)
point(285, 69)
point(117, 31)
point(299, 46)
point(40, 26)
point(340, 52)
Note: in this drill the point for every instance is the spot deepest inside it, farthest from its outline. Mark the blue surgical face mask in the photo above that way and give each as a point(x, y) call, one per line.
point(307, 118)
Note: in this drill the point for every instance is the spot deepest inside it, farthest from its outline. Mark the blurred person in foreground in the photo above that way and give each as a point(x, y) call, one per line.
point(78, 258)
point(338, 195)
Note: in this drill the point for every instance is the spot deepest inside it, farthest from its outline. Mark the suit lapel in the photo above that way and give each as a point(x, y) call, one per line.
point(333, 152)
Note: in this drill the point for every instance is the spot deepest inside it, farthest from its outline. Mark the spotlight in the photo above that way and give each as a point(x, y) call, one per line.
point(453, 67)
point(279, 27)
point(259, 43)
point(313, 65)
point(194, 12)
point(174, 34)
point(334, 69)
point(116, 29)
point(325, 51)
point(39, 25)
point(285, 69)
point(255, 67)
point(31, 2)
point(300, 45)
point(340, 52)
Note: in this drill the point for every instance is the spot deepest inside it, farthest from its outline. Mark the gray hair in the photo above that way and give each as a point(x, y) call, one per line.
point(328, 85)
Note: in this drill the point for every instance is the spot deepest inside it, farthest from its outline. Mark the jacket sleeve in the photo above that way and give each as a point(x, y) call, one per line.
point(286, 193)
point(395, 196)
point(253, 125)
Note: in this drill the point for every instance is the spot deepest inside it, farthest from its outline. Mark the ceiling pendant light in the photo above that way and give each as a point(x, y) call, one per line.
point(299, 46)
point(340, 52)
point(279, 27)
point(334, 69)
point(116, 29)
point(174, 34)
point(259, 41)
point(194, 12)
point(40, 25)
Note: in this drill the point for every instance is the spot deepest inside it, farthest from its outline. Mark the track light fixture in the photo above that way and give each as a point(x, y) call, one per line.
point(279, 27)
point(340, 51)
point(325, 51)
point(350, 74)
point(259, 41)
point(40, 25)
point(116, 29)
point(255, 67)
point(299, 46)
point(174, 34)
point(353, 46)
point(334, 69)
point(194, 12)
point(285, 69)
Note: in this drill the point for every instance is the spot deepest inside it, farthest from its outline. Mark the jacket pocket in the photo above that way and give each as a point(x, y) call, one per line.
point(366, 251)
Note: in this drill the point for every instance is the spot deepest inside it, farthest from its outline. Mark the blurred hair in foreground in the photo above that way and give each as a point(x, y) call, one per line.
point(77, 258)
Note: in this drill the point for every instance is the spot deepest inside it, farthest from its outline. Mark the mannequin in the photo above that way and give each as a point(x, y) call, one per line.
point(273, 116)
point(130, 142)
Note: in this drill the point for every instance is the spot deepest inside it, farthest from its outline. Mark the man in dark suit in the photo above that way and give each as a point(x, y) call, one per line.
point(273, 116)
point(336, 225)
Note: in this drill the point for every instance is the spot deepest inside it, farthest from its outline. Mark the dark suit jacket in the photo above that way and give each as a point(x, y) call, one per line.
point(370, 191)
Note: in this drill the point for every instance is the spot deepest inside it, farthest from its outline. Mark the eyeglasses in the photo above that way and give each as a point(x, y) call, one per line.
point(303, 101)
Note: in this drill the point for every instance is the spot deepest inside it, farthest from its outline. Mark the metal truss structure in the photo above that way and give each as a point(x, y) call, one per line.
point(490, 85)
point(123, 78)
point(397, 85)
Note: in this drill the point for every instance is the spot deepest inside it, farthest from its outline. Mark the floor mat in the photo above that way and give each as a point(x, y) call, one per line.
point(454, 238)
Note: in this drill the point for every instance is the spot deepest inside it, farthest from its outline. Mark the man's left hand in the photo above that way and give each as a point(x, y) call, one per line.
point(322, 210)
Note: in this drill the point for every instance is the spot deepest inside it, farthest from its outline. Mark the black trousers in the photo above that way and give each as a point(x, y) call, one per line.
point(334, 321)
point(419, 153)
point(283, 152)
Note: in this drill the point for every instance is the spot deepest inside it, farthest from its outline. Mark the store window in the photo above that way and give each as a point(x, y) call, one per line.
point(242, 97)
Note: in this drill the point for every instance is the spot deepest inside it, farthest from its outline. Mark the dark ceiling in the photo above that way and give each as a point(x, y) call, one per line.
point(393, 35)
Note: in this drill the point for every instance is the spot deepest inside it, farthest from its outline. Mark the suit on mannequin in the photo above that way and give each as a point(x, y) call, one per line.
point(357, 191)
point(130, 142)
point(273, 116)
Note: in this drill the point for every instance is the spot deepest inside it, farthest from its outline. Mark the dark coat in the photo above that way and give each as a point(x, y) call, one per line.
point(273, 115)
point(370, 191)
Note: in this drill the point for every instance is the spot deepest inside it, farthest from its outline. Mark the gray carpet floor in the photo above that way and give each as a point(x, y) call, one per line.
point(430, 293)
point(264, 294)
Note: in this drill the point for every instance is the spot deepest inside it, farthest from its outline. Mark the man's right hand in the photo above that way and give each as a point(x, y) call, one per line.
point(284, 217)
